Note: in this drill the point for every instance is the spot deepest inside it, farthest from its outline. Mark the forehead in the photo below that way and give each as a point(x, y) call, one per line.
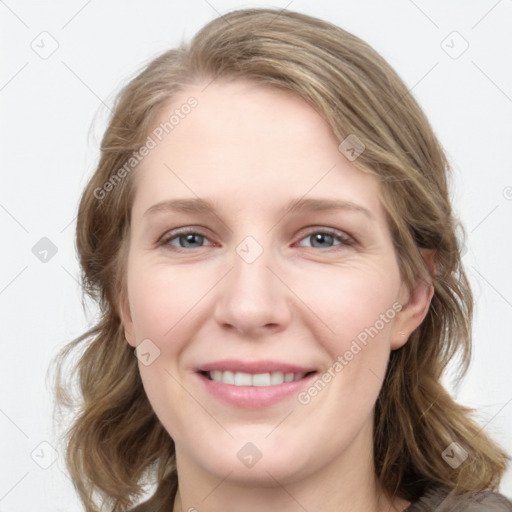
point(244, 144)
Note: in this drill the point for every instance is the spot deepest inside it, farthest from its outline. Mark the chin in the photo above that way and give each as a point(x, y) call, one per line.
point(249, 461)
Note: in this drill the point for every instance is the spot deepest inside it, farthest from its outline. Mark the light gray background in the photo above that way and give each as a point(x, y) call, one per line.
point(48, 152)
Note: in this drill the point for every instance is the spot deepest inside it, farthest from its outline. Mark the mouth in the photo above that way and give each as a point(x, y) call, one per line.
point(254, 385)
point(267, 379)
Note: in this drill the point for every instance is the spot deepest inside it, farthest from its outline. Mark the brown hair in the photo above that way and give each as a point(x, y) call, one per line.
point(116, 442)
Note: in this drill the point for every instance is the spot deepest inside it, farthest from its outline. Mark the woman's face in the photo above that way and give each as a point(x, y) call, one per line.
point(265, 330)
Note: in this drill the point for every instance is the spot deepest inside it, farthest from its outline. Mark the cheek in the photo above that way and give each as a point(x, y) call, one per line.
point(357, 307)
point(162, 300)
point(352, 302)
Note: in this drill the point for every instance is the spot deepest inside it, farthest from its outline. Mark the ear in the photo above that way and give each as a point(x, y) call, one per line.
point(126, 321)
point(415, 305)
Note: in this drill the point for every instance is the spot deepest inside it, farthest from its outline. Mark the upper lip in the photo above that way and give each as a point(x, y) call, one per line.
point(262, 366)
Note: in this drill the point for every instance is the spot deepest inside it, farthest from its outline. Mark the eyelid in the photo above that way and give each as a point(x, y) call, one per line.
point(344, 238)
point(174, 233)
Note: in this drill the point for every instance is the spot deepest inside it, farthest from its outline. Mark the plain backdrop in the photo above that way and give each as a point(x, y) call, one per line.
point(62, 64)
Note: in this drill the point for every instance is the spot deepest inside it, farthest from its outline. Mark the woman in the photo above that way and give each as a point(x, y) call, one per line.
point(292, 359)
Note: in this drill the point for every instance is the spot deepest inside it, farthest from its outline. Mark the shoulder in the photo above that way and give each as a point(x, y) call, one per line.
point(438, 499)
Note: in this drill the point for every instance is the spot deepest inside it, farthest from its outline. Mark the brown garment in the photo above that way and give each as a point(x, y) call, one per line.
point(436, 499)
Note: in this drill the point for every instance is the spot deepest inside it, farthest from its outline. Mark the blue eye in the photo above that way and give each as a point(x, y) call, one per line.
point(328, 237)
point(186, 240)
point(320, 239)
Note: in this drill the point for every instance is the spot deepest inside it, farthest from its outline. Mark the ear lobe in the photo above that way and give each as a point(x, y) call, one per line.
point(126, 321)
point(415, 309)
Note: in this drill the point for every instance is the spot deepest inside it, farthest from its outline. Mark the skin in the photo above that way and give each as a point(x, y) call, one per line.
point(251, 150)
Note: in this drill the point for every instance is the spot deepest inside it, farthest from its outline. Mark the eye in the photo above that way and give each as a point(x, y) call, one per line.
point(324, 239)
point(185, 239)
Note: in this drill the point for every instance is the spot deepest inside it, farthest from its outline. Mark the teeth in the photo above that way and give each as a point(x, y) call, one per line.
point(260, 379)
point(243, 379)
point(257, 379)
point(276, 378)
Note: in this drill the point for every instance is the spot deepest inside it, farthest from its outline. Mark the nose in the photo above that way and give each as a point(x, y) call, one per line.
point(253, 299)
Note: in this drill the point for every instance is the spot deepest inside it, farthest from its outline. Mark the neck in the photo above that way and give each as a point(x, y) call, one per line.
point(347, 483)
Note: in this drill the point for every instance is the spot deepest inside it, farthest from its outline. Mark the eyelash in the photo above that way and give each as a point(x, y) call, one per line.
point(343, 238)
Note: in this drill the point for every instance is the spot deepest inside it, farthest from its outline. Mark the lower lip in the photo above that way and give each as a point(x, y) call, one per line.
point(254, 397)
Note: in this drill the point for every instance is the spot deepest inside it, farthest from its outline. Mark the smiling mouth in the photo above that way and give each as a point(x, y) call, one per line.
point(254, 379)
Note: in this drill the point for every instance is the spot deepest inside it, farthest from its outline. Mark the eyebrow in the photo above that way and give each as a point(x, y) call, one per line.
point(206, 206)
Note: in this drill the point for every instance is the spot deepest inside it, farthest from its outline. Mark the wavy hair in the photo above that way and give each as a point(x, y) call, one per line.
point(116, 444)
